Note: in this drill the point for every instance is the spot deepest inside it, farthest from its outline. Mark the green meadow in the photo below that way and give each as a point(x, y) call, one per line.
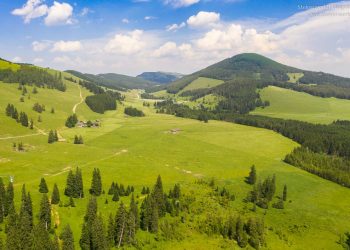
point(289, 104)
point(133, 151)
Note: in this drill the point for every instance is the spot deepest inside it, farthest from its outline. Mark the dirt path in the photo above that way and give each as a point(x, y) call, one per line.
point(81, 100)
point(20, 136)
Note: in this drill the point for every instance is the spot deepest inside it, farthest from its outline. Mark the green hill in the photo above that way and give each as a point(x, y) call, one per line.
point(160, 77)
point(114, 81)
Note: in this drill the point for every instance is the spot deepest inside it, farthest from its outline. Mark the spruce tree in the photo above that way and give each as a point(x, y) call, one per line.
point(70, 184)
point(96, 183)
point(67, 238)
point(120, 225)
point(51, 138)
point(98, 237)
point(110, 231)
point(252, 176)
point(79, 183)
point(85, 239)
point(45, 212)
point(9, 198)
point(12, 240)
point(55, 198)
point(111, 189)
point(43, 186)
point(284, 197)
point(41, 237)
point(25, 231)
point(158, 196)
point(135, 211)
point(2, 200)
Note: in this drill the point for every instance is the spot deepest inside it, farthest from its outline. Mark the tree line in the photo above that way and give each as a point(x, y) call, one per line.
point(20, 117)
point(133, 112)
point(33, 76)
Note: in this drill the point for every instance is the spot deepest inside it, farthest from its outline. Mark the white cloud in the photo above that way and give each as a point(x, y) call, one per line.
point(175, 26)
point(147, 18)
point(31, 9)
point(180, 3)
point(59, 14)
point(204, 19)
point(85, 11)
point(168, 49)
point(66, 46)
point(125, 20)
point(40, 46)
point(129, 43)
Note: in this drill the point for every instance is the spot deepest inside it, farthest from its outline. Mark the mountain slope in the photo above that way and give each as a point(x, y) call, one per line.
point(250, 66)
point(114, 81)
point(160, 77)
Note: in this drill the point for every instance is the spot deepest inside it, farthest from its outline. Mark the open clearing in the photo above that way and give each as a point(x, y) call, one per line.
point(289, 104)
point(133, 151)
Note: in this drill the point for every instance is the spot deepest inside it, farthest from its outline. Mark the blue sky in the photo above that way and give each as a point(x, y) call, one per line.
point(132, 36)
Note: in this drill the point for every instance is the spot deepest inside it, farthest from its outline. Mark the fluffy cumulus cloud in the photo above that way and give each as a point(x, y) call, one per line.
point(66, 46)
point(31, 9)
point(40, 46)
point(57, 14)
point(204, 19)
point(180, 3)
point(126, 44)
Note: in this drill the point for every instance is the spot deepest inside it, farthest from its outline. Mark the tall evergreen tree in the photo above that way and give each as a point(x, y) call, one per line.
point(55, 198)
point(51, 138)
point(43, 186)
point(12, 240)
point(135, 211)
point(120, 225)
point(70, 185)
point(2, 200)
point(25, 231)
point(96, 183)
point(45, 212)
point(79, 183)
point(41, 237)
point(252, 176)
point(98, 237)
point(67, 238)
point(110, 231)
point(9, 198)
point(158, 196)
point(284, 196)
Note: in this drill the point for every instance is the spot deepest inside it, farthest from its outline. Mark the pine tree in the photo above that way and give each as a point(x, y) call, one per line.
point(70, 184)
point(120, 225)
point(76, 139)
point(158, 196)
point(51, 138)
point(43, 186)
point(9, 198)
point(98, 237)
point(115, 196)
point(85, 239)
point(284, 197)
point(55, 198)
point(96, 183)
point(135, 211)
point(110, 231)
point(79, 183)
point(2, 200)
point(67, 238)
point(25, 231)
point(55, 243)
point(252, 176)
point(12, 240)
point(80, 140)
point(41, 237)
point(111, 190)
point(45, 212)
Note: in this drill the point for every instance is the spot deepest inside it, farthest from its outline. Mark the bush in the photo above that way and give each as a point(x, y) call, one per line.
point(133, 112)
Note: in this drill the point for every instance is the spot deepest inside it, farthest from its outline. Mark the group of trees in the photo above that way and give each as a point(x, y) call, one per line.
point(78, 139)
point(96, 183)
point(33, 76)
point(18, 146)
point(20, 117)
point(264, 191)
point(243, 231)
point(74, 184)
point(71, 121)
point(53, 136)
point(133, 112)
point(100, 103)
point(119, 190)
point(39, 108)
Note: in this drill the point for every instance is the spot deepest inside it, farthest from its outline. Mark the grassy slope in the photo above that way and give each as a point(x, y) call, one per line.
point(134, 151)
point(290, 104)
point(8, 65)
point(203, 83)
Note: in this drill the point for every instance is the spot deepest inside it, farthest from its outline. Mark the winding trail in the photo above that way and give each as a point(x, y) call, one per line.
point(81, 100)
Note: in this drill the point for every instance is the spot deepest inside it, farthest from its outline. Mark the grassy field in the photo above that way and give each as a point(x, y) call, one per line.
point(290, 104)
point(294, 77)
point(8, 65)
point(203, 83)
point(133, 151)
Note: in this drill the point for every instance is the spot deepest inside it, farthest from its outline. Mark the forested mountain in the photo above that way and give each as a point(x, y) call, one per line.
point(264, 71)
point(114, 81)
point(160, 77)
